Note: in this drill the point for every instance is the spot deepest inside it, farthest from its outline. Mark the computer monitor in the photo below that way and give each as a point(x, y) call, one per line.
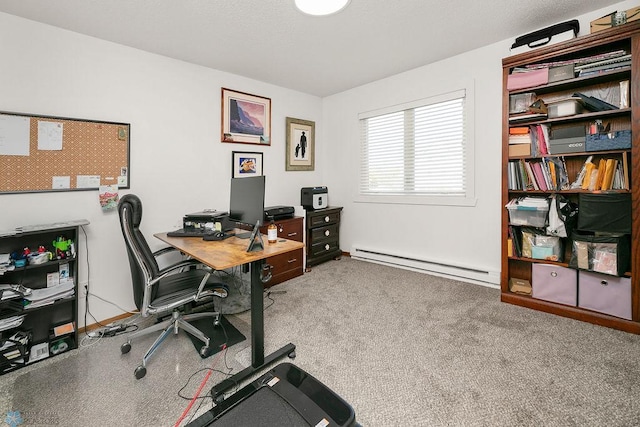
point(246, 203)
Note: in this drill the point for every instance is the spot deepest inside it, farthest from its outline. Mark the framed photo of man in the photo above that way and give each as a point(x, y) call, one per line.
point(300, 145)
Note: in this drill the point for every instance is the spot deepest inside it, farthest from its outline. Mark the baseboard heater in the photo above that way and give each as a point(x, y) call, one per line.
point(459, 272)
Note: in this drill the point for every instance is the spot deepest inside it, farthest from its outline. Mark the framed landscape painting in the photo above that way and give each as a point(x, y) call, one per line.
point(246, 118)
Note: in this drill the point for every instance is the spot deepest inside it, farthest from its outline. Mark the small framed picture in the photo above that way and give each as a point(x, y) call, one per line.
point(246, 164)
point(300, 145)
point(246, 118)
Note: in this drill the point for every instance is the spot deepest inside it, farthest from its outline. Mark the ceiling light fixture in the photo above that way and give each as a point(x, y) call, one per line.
point(321, 7)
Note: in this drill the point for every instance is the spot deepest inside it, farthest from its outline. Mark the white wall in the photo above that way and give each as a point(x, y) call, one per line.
point(174, 111)
point(466, 236)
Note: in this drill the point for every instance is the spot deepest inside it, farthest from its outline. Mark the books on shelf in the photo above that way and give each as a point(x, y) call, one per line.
point(579, 62)
point(526, 117)
point(548, 173)
point(604, 65)
point(519, 135)
point(605, 174)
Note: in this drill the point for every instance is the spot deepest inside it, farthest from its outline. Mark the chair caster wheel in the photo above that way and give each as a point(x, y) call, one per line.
point(204, 352)
point(125, 348)
point(218, 399)
point(292, 355)
point(140, 372)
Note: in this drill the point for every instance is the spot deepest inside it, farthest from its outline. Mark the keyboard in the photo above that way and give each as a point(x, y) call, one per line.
point(196, 232)
point(216, 236)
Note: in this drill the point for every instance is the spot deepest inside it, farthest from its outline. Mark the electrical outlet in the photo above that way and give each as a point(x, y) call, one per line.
point(82, 289)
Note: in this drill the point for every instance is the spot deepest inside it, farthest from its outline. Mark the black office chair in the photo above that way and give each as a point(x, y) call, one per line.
point(164, 292)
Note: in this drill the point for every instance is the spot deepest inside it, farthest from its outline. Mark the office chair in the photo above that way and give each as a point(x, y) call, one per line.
point(163, 292)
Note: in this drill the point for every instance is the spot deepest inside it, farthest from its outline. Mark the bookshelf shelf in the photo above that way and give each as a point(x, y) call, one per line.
point(578, 82)
point(44, 314)
point(604, 86)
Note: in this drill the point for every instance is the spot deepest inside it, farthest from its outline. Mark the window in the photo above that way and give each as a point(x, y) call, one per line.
point(417, 152)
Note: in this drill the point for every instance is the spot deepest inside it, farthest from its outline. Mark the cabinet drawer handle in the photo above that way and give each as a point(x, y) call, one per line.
point(554, 274)
point(604, 283)
point(327, 219)
point(327, 232)
point(326, 247)
point(292, 260)
point(292, 234)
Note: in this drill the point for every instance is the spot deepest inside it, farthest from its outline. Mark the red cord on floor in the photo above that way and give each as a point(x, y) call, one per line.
point(204, 381)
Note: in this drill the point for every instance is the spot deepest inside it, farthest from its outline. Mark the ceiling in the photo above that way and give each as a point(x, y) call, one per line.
point(271, 41)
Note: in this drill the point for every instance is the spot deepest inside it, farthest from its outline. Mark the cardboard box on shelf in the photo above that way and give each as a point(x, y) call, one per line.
point(519, 150)
point(519, 286)
point(615, 19)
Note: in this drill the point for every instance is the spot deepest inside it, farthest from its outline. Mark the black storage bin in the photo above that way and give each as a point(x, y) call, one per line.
point(603, 254)
point(605, 212)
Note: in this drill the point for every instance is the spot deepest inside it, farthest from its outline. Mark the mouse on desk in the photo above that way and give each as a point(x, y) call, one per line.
point(216, 235)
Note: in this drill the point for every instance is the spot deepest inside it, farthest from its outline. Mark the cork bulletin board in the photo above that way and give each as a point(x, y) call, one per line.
point(44, 153)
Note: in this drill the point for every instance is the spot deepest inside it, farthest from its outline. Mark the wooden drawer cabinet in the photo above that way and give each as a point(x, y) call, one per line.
point(323, 235)
point(285, 267)
point(289, 265)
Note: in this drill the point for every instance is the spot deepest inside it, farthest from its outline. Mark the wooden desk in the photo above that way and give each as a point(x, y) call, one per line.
point(232, 252)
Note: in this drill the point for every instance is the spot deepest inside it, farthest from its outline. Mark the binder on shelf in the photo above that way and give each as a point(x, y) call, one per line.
point(594, 104)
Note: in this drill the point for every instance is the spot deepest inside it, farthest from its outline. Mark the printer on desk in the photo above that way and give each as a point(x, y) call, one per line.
point(203, 220)
point(278, 212)
point(312, 198)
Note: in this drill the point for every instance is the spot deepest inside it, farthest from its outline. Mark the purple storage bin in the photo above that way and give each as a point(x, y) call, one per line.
point(605, 294)
point(554, 283)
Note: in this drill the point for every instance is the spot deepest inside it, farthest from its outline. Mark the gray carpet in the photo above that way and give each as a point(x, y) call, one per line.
point(403, 348)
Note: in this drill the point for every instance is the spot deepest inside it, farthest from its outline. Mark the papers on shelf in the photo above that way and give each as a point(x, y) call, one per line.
point(530, 203)
point(5, 263)
point(11, 322)
point(44, 296)
point(40, 227)
point(9, 294)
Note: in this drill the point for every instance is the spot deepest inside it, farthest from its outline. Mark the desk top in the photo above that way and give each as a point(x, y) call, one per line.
point(228, 253)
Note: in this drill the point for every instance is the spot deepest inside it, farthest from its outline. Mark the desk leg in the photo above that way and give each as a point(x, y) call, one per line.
point(258, 359)
point(257, 315)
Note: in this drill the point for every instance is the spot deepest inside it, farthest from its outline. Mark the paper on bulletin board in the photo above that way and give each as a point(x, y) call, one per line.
point(87, 181)
point(108, 197)
point(123, 179)
point(61, 182)
point(14, 135)
point(49, 135)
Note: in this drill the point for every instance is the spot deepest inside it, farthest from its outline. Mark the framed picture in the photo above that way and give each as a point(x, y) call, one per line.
point(246, 118)
point(300, 145)
point(246, 164)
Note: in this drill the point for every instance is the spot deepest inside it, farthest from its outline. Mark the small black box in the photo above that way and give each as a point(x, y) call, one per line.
point(604, 212)
point(604, 254)
point(312, 198)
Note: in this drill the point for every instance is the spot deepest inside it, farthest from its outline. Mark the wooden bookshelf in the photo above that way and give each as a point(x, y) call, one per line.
point(625, 37)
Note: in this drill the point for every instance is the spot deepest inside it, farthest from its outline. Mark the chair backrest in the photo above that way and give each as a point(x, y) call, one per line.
point(141, 260)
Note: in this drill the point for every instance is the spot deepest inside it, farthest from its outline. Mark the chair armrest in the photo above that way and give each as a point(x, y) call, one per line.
point(163, 251)
point(182, 264)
